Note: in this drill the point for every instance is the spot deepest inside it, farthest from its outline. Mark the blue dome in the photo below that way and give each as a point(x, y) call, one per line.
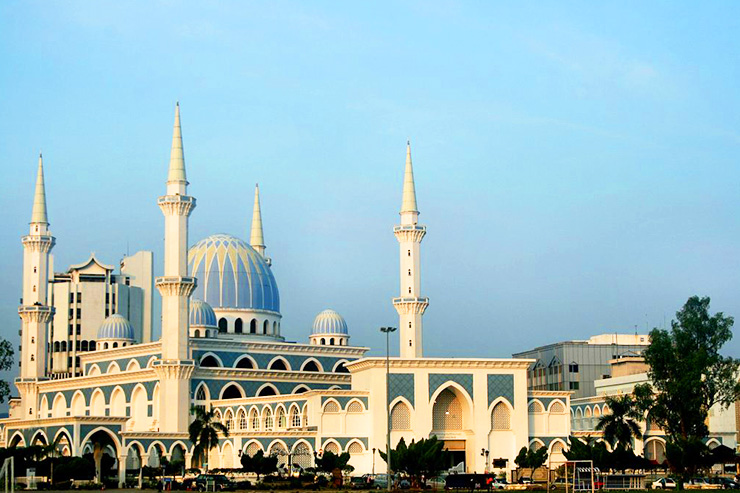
point(329, 322)
point(116, 327)
point(231, 274)
point(201, 314)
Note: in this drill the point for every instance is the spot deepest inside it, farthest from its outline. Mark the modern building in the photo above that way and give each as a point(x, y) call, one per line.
point(576, 365)
point(222, 347)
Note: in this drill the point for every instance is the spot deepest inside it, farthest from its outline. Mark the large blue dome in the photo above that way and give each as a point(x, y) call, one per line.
point(116, 327)
point(231, 274)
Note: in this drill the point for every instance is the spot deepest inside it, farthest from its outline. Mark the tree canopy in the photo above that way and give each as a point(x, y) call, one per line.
point(259, 463)
point(689, 376)
point(329, 461)
point(419, 460)
point(6, 364)
point(531, 458)
point(622, 423)
point(203, 432)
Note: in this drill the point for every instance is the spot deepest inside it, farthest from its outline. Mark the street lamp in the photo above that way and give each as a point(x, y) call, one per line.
point(387, 331)
point(484, 453)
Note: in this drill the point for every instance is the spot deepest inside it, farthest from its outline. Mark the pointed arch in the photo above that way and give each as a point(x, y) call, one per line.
point(44, 407)
point(17, 440)
point(133, 365)
point(556, 407)
point(254, 419)
point(355, 447)
point(501, 413)
point(113, 368)
point(97, 403)
point(39, 438)
point(93, 370)
point(202, 393)
point(536, 444)
point(229, 420)
point(77, 405)
point(281, 419)
point(331, 406)
point(112, 436)
point(267, 390)
point(117, 402)
point(294, 416)
point(535, 407)
point(451, 411)
point(252, 447)
point(155, 406)
point(339, 366)
point(139, 406)
point(300, 389)
point(59, 406)
point(302, 453)
point(268, 423)
point(355, 406)
point(245, 362)
point(279, 449)
point(400, 414)
point(232, 390)
point(210, 360)
point(312, 364)
point(332, 446)
point(279, 363)
point(241, 419)
point(150, 362)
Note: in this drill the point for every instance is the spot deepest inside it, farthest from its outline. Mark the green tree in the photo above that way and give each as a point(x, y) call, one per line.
point(622, 423)
point(527, 458)
point(259, 463)
point(6, 364)
point(689, 376)
point(204, 431)
point(329, 461)
point(419, 460)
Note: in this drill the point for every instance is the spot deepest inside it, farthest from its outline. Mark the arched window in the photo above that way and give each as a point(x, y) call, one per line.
point(56, 347)
point(252, 449)
point(331, 407)
point(229, 420)
point(231, 392)
point(500, 417)
point(536, 407)
point(332, 447)
point(302, 455)
point(92, 345)
point(281, 421)
point(115, 344)
point(295, 417)
point(238, 326)
point(64, 346)
point(355, 448)
point(300, 389)
point(557, 408)
point(323, 341)
point(254, 419)
point(209, 362)
point(340, 368)
point(267, 418)
point(400, 417)
point(242, 419)
point(355, 407)
point(278, 364)
point(222, 325)
point(196, 333)
point(331, 341)
point(200, 394)
point(311, 366)
point(253, 326)
point(266, 327)
point(274, 328)
point(245, 363)
point(447, 412)
point(105, 345)
point(83, 346)
point(266, 390)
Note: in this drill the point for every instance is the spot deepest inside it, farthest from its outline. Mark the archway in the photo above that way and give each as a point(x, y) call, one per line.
point(450, 419)
point(105, 450)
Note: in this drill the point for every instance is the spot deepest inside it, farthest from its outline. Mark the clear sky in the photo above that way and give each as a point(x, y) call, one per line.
point(577, 163)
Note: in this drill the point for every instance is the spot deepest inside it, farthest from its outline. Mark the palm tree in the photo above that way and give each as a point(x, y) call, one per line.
point(621, 424)
point(204, 431)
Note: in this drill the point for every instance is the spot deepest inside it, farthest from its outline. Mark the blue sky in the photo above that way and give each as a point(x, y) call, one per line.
point(577, 163)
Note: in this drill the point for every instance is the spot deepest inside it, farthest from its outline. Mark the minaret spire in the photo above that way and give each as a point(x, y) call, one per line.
point(257, 238)
point(38, 215)
point(409, 190)
point(176, 172)
point(410, 305)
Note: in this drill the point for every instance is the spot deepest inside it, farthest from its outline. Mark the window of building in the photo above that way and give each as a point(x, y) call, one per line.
point(238, 326)
point(355, 407)
point(71, 298)
point(253, 326)
point(501, 417)
point(71, 329)
point(331, 407)
point(79, 297)
point(574, 385)
point(222, 325)
point(400, 417)
point(79, 329)
point(355, 448)
point(573, 367)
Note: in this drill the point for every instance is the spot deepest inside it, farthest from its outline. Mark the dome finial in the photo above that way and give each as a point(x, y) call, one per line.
point(257, 238)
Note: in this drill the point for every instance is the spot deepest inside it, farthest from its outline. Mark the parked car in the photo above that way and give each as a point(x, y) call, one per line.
point(380, 482)
point(664, 484)
point(205, 482)
point(724, 483)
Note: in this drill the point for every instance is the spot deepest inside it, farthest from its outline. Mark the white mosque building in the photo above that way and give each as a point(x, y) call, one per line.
point(92, 378)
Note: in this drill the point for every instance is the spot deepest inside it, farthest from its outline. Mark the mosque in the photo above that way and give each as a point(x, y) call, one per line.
point(92, 379)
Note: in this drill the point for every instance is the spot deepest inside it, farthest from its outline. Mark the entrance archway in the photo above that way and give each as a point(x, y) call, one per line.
point(450, 418)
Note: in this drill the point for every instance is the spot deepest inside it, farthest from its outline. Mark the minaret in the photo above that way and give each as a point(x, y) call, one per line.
point(257, 237)
point(410, 305)
point(35, 313)
point(175, 367)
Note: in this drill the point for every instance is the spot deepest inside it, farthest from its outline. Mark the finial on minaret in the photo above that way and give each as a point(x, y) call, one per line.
point(38, 215)
point(177, 157)
point(409, 190)
point(257, 238)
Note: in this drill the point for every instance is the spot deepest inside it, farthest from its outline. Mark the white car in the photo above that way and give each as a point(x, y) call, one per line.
point(664, 484)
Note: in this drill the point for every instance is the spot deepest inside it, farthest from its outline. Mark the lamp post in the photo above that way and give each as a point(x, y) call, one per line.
point(387, 331)
point(484, 453)
point(373, 461)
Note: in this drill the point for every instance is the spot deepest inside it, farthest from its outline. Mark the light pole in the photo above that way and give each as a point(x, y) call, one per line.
point(387, 331)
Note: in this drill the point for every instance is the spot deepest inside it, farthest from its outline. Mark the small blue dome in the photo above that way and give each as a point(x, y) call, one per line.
point(201, 314)
point(329, 322)
point(116, 327)
point(231, 274)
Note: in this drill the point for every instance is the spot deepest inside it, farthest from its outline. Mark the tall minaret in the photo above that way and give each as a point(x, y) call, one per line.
point(175, 367)
point(34, 311)
point(410, 305)
point(257, 237)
